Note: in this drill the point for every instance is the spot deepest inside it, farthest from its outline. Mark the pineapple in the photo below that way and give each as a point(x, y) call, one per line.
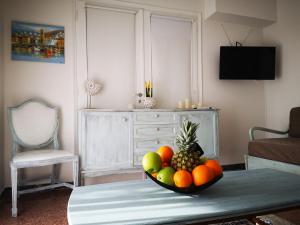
point(188, 156)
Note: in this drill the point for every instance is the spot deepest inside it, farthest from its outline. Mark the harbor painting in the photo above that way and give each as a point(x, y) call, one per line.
point(37, 42)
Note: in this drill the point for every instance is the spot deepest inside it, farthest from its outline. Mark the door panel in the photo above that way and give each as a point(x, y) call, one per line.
point(108, 141)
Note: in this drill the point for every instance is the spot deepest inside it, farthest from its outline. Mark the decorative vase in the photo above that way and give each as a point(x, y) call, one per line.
point(149, 102)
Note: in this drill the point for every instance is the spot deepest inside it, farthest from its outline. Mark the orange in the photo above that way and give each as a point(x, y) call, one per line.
point(154, 175)
point(215, 166)
point(166, 153)
point(202, 174)
point(182, 179)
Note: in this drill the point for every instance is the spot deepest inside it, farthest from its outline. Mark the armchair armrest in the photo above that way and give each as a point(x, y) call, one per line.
point(251, 131)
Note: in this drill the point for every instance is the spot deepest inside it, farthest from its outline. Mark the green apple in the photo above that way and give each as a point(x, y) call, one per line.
point(152, 162)
point(166, 175)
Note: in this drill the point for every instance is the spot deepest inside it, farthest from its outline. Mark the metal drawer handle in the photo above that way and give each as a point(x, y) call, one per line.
point(156, 115)
point(124, 119)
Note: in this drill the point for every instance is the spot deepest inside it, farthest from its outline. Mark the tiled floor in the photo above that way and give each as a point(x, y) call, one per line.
point(43, 208)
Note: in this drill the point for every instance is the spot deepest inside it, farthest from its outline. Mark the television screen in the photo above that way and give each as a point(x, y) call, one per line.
point(247, 63)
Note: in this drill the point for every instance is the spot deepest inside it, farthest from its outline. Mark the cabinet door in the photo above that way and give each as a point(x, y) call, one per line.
point(207, 133)
point(108, 141)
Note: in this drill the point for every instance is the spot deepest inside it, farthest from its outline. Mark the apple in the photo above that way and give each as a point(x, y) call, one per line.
point(152, 162)
point(165, 165)
point(165, 176)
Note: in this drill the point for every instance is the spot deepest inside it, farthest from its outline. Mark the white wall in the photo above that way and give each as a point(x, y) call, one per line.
point(283, 93)
point(241, 102)
point(1, 102)
point(52, 82)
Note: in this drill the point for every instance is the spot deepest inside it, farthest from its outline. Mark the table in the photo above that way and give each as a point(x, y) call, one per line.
point(237, 194)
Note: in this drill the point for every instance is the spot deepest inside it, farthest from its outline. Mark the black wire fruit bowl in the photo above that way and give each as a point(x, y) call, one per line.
point(189, 190)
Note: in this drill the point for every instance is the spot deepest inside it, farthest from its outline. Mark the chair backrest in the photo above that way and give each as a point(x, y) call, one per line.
point(294, 129)
point(34, 124)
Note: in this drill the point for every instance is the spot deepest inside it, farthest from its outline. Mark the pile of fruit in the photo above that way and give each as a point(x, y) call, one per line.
point(185, 167)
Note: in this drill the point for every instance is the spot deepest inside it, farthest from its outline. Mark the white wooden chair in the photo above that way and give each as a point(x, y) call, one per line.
point(34, 128)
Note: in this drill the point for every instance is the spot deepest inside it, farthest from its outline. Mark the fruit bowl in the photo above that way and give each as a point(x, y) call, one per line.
point(189, 190)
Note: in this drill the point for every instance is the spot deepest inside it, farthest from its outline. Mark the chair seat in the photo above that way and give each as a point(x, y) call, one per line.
point(279, 149)
point(44, 157)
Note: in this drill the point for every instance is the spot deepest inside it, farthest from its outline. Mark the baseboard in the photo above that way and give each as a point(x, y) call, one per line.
point(239, 166)
point(259, 163)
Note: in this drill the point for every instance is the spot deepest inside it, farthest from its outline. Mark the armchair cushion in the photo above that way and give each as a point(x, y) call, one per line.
point(294, 129)
point(279, 149)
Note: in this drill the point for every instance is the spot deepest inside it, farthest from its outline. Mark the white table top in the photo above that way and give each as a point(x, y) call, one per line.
point(238, 193)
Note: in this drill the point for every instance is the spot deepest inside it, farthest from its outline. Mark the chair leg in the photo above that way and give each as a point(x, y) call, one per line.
point(21, 175)
point(14, 188)
point(55, 172)
point(76, 172)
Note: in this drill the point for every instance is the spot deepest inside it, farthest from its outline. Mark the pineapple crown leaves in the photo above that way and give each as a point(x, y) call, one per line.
point(187, 135)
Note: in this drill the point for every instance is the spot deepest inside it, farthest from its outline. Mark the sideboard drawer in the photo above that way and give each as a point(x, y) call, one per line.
point(155, 118)
point(158, 130)
point(152, 144)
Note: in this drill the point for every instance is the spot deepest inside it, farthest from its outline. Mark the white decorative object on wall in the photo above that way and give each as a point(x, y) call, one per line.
point(92, 88)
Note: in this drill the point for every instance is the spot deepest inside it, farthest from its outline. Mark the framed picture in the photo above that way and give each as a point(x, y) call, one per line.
point(37, 42)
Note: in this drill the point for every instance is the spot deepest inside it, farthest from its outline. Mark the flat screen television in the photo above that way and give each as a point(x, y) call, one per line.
point(247, 63)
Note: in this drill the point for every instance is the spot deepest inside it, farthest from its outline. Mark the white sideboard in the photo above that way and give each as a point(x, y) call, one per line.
point(112, 142)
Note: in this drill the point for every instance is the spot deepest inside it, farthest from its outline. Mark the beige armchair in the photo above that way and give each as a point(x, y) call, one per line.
point(278, 153)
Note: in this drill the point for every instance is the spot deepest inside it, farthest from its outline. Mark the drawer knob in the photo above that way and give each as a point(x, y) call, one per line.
point(124, 119)
point(156, 115)
point(157, 142)
point(157, 129)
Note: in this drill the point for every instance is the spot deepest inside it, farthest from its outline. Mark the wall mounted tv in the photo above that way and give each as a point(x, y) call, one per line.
point(247, 63)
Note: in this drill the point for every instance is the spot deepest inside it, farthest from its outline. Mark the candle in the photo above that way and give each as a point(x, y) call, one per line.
point(180, 104)
point(187, 103)
point(130, 106)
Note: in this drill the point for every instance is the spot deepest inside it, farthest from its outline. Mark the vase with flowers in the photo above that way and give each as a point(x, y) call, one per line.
point(149, 101)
